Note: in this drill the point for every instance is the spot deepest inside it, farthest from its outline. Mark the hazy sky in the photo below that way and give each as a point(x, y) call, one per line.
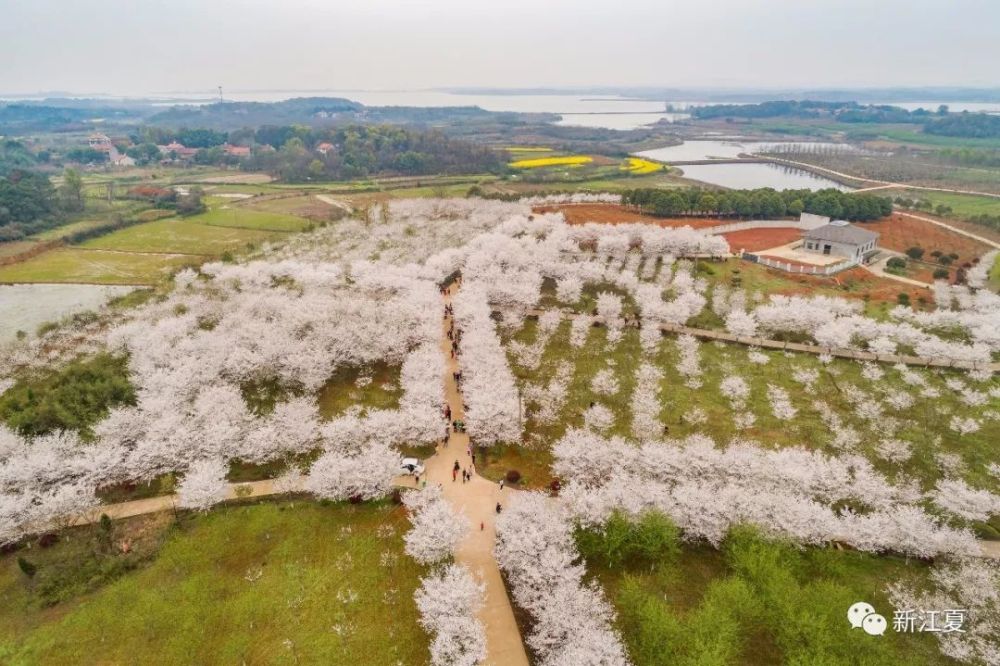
point(145, 46)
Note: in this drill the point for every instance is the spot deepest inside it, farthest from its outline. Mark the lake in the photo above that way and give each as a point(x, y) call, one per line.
point(25, 307)
point(751, 176)
point(599, 111)
point(709, 149)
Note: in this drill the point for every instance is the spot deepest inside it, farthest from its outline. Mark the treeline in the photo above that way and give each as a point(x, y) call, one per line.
point(967, 125)
point(28, 204)
point(939, 121)
point(364, 151)
point(760, 203)
point(775, 109)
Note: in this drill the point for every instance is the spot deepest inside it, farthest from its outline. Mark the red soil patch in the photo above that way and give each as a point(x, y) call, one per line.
point(614, 214)
point(753, 240)
point(899, 232)
point(854, 283)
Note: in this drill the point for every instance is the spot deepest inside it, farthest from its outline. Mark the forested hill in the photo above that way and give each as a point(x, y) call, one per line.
point(361, 151)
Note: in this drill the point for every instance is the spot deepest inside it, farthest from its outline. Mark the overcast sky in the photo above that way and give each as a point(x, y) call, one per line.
point(146, 46)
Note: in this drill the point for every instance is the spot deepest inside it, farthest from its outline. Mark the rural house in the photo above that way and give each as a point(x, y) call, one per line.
point(236, 151)
point(841, 239)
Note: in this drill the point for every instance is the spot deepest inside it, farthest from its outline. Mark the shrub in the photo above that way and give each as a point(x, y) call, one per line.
point(512, 476)
point(945, 260)
point(903, 299)
point(26, 567)
point(915, 252)
point(48, 540)
point(941, 274)
point(73, 397)
point(896, 263)
point(649, 540)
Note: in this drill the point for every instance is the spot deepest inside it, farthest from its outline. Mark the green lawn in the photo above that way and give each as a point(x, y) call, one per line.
point(293, 582)
point(186, 236)
point(758, 602)
point(373, 387)
point(75, 264)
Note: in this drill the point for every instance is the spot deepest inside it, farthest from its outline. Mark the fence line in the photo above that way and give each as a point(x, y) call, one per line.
point(790, 267)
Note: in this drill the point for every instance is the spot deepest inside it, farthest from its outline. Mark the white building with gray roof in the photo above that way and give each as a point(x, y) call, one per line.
point(842, 239)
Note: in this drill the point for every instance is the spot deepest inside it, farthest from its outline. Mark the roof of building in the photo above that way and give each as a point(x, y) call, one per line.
point(841, 233)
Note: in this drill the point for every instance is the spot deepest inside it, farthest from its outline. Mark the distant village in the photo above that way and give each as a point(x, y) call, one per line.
point(171, 153)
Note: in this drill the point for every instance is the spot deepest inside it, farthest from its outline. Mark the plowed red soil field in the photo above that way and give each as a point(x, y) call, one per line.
point(612, 214)
point(754, 240)
point(899, 233)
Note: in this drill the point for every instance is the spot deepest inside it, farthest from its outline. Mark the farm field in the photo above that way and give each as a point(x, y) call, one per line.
point(280, 583)
point(242, 217)
point(75, 264)
point(14, 248)
point(614, 214)
point(900, 232)
point(182, 236)
point(754, 240)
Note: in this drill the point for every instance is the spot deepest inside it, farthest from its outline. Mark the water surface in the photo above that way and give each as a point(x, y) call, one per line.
point(25, 307)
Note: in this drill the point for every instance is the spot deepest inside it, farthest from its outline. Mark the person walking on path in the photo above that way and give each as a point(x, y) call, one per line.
point(454, 475)
point(501, 484)
point(499, 508)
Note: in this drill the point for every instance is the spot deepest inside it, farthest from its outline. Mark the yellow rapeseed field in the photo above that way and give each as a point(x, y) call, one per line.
point(528, 149)
point(640, 167)
point(571, 160)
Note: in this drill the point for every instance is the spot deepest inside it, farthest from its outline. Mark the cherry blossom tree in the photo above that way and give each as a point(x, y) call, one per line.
point(437, 528)
point(204, 485)
point(448, 601)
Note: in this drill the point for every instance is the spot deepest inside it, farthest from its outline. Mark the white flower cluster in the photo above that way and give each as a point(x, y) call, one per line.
point(487, 382)
point(572, 620)
point(437, 528)
point(790, 492)
point(448, 601)
point(972, 586)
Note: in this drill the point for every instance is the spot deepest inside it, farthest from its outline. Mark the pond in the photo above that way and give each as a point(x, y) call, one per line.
point(25, 307)
point(751, 176)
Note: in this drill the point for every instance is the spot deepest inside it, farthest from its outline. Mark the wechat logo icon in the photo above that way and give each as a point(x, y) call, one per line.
point(862, 615)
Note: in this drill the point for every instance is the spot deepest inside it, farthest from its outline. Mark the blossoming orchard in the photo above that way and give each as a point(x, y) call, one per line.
point(594, 408)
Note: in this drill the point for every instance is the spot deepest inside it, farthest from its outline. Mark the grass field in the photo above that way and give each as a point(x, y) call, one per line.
point(185, 236)
point(72, 264)
point(290, 582)
point(962, 205)
point(759, 602)
point(241, 217)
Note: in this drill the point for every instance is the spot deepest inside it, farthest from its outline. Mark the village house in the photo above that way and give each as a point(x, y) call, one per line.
point(119, 159)
point(99, 141)
point(324, 148)
point(236, 151)
point(179, 149)
point(841, 239)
